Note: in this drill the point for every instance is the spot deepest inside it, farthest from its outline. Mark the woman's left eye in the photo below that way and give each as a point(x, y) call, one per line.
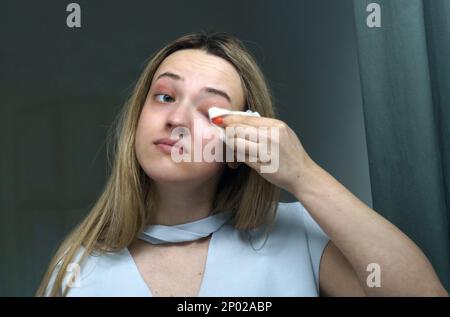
point(164, 98)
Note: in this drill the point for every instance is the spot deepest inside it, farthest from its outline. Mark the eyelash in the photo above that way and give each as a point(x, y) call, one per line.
point(157, 95)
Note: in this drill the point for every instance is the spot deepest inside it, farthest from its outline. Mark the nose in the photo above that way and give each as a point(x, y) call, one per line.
point(179, 116)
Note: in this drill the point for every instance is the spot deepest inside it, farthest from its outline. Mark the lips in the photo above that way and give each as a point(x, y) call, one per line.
point(166, 145)
point(166, 141)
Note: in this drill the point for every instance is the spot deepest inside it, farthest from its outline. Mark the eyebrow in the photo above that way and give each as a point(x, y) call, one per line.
point(170, 75)
point(208, 90)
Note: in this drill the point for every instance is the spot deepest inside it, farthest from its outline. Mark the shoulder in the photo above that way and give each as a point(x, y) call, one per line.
point(293, 223)
point(100, 274)
point(71, 271)
point(290, 213)
point(87, 272)
point(295, 214)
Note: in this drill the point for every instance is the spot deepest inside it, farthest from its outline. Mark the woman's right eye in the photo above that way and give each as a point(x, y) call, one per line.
point(164, 98)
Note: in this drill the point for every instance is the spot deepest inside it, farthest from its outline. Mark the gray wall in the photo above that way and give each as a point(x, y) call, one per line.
point(61, 88)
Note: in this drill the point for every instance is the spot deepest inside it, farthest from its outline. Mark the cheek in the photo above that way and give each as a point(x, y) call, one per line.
point(147, 115)
point(206, 170)
point(204, 132)
point(150, 118)
point(144, 129)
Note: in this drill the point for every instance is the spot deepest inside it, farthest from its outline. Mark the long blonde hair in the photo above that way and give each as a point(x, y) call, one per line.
point(125, 205)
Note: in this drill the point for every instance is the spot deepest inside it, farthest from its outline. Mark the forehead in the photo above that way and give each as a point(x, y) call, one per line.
point(200, 69)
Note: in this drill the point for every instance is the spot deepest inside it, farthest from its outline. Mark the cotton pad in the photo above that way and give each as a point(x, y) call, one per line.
point(215, 112)
point(218, 112)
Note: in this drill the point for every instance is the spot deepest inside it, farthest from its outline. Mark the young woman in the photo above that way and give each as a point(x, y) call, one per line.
point(214, 228)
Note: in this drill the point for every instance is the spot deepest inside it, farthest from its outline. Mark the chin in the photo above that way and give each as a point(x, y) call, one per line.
point(183, 172)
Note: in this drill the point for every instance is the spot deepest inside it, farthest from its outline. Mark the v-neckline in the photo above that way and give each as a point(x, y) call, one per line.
point(146, 285)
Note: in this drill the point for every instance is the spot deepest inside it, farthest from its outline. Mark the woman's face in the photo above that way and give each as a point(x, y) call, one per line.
point(187, 83)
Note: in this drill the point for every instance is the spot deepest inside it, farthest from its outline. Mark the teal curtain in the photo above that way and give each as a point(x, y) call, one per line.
point(405, 76)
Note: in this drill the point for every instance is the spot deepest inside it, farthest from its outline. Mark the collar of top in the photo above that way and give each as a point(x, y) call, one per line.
point(190, 231)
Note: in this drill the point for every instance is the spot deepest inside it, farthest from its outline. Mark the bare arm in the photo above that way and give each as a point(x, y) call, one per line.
point(337, 276)
point(358, 232)
point(361, 236)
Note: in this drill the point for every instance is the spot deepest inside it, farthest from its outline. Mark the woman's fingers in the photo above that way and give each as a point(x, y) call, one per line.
point(249, 151)
point(233, 120)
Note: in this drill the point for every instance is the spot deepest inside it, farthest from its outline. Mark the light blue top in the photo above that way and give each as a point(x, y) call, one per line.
point(287, 265)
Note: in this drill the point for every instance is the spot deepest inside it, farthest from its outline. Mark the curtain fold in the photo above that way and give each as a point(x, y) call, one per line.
point(405, 77)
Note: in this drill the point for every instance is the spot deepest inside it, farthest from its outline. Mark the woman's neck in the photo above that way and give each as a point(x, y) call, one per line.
point(183, 202)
